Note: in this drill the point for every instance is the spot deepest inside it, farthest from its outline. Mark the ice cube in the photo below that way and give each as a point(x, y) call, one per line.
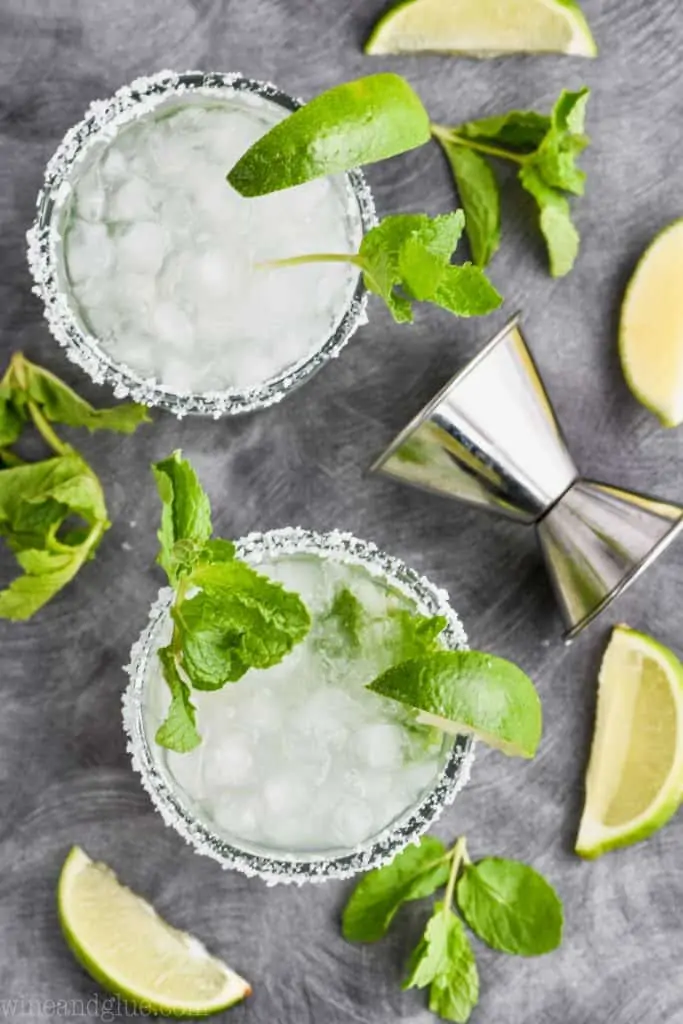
point(286, 793)
point(135, 298)
point(212, 272)
point(380, 745)
point(114, 166)
point(313, 758)
point(142, 248)
point(178, 211)
point(215, 200)
point(89, 251)
point(378, 786)
point(173, 327)
point(91, 198)
point(260, 712)
point(132, 201)
point(239, 815)
point(185, 769)
point(328, 714)
point(176, 374)
point(352, 821)
point(416, 778)
point(227, 761)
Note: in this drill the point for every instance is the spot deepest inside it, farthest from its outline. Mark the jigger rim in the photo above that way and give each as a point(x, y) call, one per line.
point(625, 582)
point(426, 410)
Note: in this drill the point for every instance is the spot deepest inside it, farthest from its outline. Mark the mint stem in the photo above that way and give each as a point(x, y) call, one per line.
point(459, 855)
point(10, 458)
point(450, 135)
point(46, 431)
point(316, 257)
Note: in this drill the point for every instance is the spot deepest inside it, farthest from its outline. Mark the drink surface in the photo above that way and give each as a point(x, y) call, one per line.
point(301, 758)
point(160, 253)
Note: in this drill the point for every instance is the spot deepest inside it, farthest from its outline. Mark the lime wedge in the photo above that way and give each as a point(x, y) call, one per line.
point(353, 124)
point(635, 775)
point(124, 945)
point(651, 330)
point(468, 692)
point(484, 28)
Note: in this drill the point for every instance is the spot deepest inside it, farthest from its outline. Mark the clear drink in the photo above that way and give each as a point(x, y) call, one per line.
point(300, 763)
point(158, 260)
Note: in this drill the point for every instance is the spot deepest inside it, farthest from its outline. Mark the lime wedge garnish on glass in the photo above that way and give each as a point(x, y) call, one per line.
point(124, 945)
point(651, 330)
point(484, 28)
point(635, 775)
point(468, 692)
point(353, 124)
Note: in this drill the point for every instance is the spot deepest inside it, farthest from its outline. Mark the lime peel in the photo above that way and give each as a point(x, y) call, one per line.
point(635, 775)
point(483, 28)
point(467, 692)
point(352, 124)
point(123, 944)
point(651, 327)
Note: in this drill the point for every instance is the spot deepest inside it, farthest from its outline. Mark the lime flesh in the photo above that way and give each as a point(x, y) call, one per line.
point(651, 329)
point(635, 775)
point(124, 945)
point(483, 28)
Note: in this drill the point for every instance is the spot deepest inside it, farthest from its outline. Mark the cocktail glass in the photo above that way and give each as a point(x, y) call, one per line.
point(303, 774)
point(147, 261)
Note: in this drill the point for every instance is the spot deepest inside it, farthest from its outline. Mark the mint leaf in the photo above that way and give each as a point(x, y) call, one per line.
point(185, 517)
point(407, 257)
point(39, 500)
point(413, 874)
point(510, 906)
point(545, 150)
point(217, 550)
point(466, 291)
point(520, 131)
point(562, 238)
point(348, 616)
point(178, 731)
point(239, 620)
point(444, 960)
point(60, 404)
point(414, 635)
point(35, 501)
point(11, 421)
point(569, 113)
point(480, 198)
point(45, 574)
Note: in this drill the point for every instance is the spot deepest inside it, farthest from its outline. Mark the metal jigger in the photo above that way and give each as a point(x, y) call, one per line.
point(490, 438)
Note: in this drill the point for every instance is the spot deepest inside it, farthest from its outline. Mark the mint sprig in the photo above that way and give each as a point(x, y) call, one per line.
point(227, 618)
point(407, 259)
point(544, 148)
point(40, 500)
point(507, 904)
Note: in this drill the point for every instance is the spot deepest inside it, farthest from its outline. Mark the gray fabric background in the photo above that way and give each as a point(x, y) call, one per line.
point(64, 773)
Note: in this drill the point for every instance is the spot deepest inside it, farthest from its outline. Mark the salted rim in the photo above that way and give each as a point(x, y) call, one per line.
point(383, 847)
point(103, 118)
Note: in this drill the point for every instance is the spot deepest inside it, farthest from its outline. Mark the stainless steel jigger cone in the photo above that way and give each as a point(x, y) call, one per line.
point(490, 438)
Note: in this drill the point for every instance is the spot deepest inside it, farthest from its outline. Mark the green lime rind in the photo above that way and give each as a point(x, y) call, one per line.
point(356, 123)
point(665, 418)
point(379, 41)
point(595, 838)
point(76, 861)
point(469, 692)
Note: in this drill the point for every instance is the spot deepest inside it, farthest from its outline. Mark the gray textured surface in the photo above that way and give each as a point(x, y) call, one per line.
point(64, 775)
